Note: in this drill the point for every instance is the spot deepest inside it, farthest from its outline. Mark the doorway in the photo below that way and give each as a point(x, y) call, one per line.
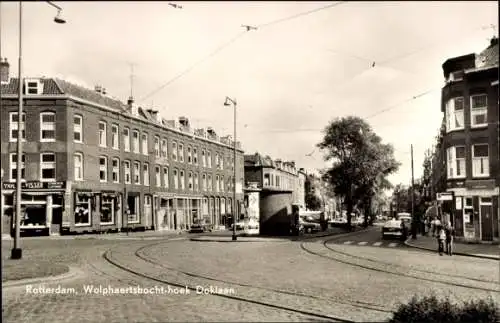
point(486, 214)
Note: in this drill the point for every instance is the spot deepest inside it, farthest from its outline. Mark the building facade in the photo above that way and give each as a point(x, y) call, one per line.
point(467, 155)
point(280, 184)
point(92, 163)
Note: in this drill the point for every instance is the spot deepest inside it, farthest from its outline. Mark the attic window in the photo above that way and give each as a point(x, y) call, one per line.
point(33, 87)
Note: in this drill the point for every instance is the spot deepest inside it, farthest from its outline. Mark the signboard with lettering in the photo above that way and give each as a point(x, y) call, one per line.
point(444, 196)
point(36, 185)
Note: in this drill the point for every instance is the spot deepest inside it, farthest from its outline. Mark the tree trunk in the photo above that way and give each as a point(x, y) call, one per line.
point(349, 207)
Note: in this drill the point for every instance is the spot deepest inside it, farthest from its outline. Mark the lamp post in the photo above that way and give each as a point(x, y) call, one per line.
point(16, 252)
point(228, 102)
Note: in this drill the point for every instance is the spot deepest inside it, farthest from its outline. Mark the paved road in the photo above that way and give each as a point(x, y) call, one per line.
point(372, 238)
point(278, 273)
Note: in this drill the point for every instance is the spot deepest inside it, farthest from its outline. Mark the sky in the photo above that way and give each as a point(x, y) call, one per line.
point(290, 77)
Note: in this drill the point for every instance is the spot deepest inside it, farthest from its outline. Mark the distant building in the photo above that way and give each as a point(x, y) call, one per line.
point(466, 161)
point(281, 186)
point(92, 163)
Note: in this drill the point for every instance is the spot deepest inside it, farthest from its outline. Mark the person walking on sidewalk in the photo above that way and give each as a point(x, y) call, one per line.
point(441, 237)
point(450, 233)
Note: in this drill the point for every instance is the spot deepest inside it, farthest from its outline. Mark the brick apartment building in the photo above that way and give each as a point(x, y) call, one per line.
point(466, 159)
point(281, 184)
point(92, 163)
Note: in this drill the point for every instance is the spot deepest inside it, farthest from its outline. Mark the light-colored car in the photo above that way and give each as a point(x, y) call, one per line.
point(394, 227)
point(338, 221)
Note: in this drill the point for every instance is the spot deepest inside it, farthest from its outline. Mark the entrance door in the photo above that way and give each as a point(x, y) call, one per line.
point(148, 213)
point(486, 222)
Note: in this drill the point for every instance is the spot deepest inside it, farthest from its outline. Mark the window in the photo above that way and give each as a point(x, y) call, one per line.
point(181, 153)
point(182, 180)
point(157, 147)
point(455, 114)
point(126, 139)
point(102, 133)
point(217, 162)
point(14, 126)
point(47, 167)
point(209, 159)
point(190, 181)
point(158, 176)
point(137, 175)
point(456, 162)
point(204, 182)
point(145, 174)
point(195, 156)
point(103, 169)
point(221, 184)
point(176, 179)
point(217, 183)
point(78, 161)
point(135, 141)
point(115, 164)
point(32, 87)
point(107, 209)
point(126, 172)
point(196, 184)
point(266, 180)
point(164, 148)
point(165, 177)
point(114, 137)
point(47, 126)
point(480, 161)
point(83, 210)
point(144, 143)
point(190, 158)
point(479, 110)
point(78, 128)
point(209, 183)
point(203, 158)
point(13, 167)
point(221, 162)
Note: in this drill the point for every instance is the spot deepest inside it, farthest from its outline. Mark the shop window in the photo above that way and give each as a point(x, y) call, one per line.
point(133, 209)
point(83, 209)
point(34, 215)
point(48, 167)
point(107, 209)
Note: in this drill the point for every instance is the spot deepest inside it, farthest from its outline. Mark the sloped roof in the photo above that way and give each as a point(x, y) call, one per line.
point(488, 57)
point(50, 87)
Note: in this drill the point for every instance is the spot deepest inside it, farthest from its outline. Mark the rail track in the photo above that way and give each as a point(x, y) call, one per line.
point(187, 277)
point(348, 259)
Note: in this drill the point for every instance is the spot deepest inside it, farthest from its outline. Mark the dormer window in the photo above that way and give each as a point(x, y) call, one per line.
point(456, 76)
point(33, 87)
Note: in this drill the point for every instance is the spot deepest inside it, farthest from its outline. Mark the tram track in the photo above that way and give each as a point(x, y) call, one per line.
point(138, 254)
point(396, 273)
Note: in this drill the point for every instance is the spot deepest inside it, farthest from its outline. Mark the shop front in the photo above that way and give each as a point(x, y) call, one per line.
point(42, 206)
point(165, 212)
point(96, 211)
point(188, 210)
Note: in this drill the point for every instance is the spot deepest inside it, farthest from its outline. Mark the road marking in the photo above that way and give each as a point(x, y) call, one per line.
point(347, 242)
point(392, 244)
point(362, 243)
point(377, 244)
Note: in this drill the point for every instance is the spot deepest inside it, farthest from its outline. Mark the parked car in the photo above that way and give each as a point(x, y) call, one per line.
point(240, 225)
point(338, 222)
point(309, 225)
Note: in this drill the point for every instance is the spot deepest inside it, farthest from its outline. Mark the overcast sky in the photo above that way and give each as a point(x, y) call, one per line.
point(289, 78)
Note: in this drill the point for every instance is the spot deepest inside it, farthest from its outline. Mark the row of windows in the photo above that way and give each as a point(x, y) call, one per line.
point(456, 161)
point(478, 112)
point(47, 166)
point(134, 173)
point(135, 142)
point(278, 181)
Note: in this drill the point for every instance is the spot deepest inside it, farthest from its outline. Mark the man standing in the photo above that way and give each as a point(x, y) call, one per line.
point(450, 233)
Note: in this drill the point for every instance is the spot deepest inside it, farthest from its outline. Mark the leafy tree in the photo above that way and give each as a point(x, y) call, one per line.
point(360, 161)
point(313, 202)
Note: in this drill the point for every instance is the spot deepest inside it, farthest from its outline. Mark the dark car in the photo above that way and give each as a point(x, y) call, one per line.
point(309, 225)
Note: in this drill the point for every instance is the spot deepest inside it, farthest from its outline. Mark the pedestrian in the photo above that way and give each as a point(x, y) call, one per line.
point(450, 233)
point(441, 237)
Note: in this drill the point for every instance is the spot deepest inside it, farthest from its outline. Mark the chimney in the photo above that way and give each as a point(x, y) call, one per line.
point(103, 91)
point(98, 88)
point(156, 115)
point(132, 108)
point(184, 122)
point(4, 71)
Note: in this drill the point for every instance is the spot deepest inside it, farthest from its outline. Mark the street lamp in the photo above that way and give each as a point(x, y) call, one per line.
point(227, 103)
point(16, 252)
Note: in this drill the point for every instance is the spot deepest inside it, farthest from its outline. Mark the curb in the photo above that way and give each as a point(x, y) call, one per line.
point(72, 273)
point(407, 243)
point(239, 240)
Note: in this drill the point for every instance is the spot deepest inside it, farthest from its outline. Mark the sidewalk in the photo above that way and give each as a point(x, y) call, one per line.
point(486, 251)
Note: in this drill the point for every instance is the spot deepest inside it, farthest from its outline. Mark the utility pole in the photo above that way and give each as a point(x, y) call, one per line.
point(414, 218)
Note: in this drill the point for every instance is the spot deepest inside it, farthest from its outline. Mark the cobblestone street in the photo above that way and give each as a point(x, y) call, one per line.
point(288, 280)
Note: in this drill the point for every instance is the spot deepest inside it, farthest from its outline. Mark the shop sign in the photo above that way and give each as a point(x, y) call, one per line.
point(35, 185)
point(444, 196)
point(480, 184)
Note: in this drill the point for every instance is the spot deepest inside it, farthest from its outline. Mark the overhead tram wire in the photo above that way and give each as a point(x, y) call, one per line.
point(186, 71)
point(232, 40)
